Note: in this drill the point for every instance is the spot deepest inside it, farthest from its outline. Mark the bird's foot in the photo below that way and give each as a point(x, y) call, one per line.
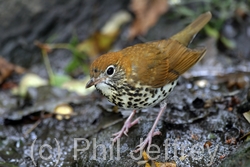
point(152, 132)
point(147, 141)
point(128, 124)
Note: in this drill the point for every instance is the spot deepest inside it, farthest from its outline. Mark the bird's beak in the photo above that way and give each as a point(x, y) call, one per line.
point(93, 81)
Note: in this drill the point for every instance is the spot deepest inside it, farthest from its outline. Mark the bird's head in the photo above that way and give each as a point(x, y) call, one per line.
point(105, 71)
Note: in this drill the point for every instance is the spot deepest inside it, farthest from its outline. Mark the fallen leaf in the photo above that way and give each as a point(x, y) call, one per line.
point(28, 80)
point(113, 25)
point(147, 12)
point(194, 136)
point(100, 42)
point(231, 141)
point(6, 69)
point(208, 103)
point(151, 163)
point(230, 109)
point(208, 144)
point(8, 85)
point(95, 44)
point(77, 86)
point(145, 156)
point(63, 111)
point(183, 157)
point(248, 138)
point(237, 80)
point(247, 116)
point(222, 156)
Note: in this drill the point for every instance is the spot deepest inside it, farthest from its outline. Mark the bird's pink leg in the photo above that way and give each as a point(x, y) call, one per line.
point(152, 132)
point(128, 124)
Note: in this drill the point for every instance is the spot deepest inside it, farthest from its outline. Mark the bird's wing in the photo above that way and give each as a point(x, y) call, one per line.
point(158, 63)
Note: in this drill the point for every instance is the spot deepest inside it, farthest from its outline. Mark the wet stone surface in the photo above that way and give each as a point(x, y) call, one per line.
point(185, 130)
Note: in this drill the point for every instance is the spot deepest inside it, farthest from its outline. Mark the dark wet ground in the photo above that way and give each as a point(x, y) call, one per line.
point(205, 109)
point(183, 127)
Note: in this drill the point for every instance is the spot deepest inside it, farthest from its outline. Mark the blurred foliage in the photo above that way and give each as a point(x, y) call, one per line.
point(79, 59)
point(101, 41)
point(64, 80)
point(221, 11)
point(54, 79)
point(84, 51)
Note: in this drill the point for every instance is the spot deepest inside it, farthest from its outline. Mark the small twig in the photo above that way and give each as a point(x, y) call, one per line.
point(111, 124)
point(37, 123)
point(32, 128)
point(245, 135)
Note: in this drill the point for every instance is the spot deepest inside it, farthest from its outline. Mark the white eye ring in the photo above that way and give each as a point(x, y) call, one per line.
point(110, 70)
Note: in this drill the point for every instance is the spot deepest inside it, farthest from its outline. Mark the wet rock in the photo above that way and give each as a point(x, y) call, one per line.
point(239, 157)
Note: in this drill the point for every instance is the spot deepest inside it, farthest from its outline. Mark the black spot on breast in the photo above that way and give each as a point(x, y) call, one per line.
point(159, 96)
point(153, 93)
point(141, 102)
point(170, 90)
point(145, 95)
point(145, 104)
point(120, 104)
point(161, 88)
point(126, 89)
point(129, 103)
point(156, 90)
point(146, 99)
point(154, 101)
point(137, 94)
point(146, 89)
point(131, 98)
point(172, 83)
point(130, 94)
point(113, 99)
point(131, 88)
point(137, 100)
point(164, 92)
point(119, 99)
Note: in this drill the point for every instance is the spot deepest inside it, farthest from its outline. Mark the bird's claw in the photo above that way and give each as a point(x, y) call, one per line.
point(124, 129)
point(147, 141)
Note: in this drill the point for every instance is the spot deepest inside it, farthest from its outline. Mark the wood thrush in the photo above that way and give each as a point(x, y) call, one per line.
point(143, 75)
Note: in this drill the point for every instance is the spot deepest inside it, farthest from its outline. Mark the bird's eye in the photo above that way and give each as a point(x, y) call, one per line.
point(110, 70)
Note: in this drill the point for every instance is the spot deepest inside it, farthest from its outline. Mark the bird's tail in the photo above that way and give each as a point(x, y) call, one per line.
point(188, 33)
